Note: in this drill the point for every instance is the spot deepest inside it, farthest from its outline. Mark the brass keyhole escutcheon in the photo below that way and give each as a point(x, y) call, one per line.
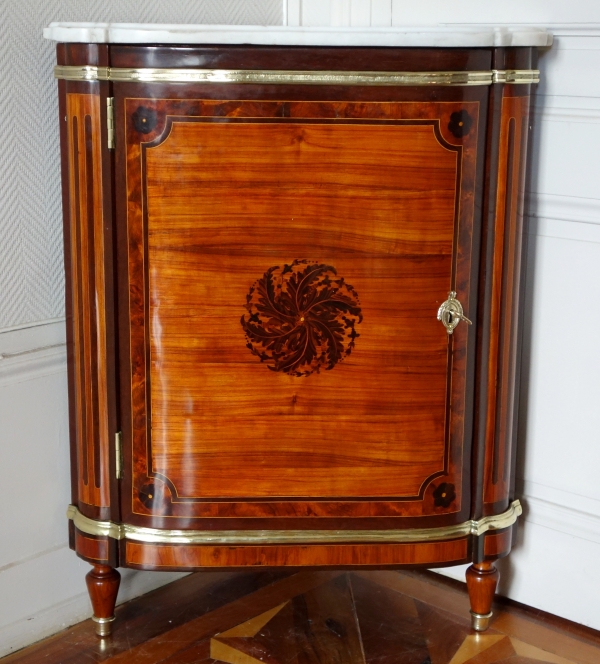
point(451, 313)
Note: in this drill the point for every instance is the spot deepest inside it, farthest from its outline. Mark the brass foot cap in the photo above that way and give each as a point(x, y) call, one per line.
point(479, 621)
point(103, 625)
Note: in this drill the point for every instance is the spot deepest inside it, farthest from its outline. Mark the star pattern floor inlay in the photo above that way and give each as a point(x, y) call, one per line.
point(350, 620)
point(314, 617)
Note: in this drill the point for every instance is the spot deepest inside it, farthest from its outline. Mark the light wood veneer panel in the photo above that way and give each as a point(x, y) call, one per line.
point(375, 202)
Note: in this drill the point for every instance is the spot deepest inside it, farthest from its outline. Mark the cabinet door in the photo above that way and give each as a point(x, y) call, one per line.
point(283, 257)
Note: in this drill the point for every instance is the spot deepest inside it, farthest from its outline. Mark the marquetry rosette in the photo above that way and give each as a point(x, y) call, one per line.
point(144, 120)
point(460, 123)
point(444, 494)
point(155, 495)
point(301, 318)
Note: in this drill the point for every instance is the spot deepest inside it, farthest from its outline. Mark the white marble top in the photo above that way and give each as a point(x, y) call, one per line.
point(435, 36)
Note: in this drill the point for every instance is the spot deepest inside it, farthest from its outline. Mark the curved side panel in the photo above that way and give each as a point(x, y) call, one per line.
point(504, 312)
point(88, 267)
point(89, 296)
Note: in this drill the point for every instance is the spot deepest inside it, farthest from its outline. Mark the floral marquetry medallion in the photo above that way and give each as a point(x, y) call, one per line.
point(301, 318)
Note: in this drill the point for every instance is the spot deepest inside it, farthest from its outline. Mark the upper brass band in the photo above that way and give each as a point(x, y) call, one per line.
point(283, 77)
point(245, 537)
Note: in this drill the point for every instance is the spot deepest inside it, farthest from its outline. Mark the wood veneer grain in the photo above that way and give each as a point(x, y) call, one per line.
point(393, 253)
point(94, 549)
point(89, 297)
point(497, 545)
point(160, 556)
point(97, 162)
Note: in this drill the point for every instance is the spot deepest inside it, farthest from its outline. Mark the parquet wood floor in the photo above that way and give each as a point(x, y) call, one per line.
point(317, 618)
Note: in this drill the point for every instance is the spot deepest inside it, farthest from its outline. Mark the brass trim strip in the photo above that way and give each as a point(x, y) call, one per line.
point(278, 77)
point(516, 76)
point(301, 77)
point(249, 537)
point(497, 521)
point(93, 527)
point(80, 73)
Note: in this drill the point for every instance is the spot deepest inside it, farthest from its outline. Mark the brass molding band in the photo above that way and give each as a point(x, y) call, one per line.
point(81, 73)
point(282, 77)
point(516, 76)
point(93, 527)
point(249, 537)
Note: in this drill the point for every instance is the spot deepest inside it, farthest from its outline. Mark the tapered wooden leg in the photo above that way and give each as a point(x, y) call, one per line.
point(482, 579)
point(103, 585)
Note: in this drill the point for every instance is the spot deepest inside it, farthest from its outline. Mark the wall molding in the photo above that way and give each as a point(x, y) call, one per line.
point(565, 512)
point(566, 114)
point(564, 519)
point(33, 364)
point(37, 323)
point(564, 208)
point(32, 350)
point(573, 29)
point(381, 12)
point(557, 29)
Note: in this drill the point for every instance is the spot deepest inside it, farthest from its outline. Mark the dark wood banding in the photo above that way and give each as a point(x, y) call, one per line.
point(301, 58)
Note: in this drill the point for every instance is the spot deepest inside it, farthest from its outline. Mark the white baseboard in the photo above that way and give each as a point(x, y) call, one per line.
point(44, 623)
point(567, 513)
point(67, 590)
point(31, 351)
point(563, 208)
point(551, 571)
point(35, 364)
point(30, 337)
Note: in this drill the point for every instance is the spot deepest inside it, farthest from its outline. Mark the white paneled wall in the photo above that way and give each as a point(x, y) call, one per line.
point(554, 568)
point(554, 565)
point(422, 12)
point(338, 13)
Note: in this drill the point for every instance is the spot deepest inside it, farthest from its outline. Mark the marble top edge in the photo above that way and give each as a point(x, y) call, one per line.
point(424, 36)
